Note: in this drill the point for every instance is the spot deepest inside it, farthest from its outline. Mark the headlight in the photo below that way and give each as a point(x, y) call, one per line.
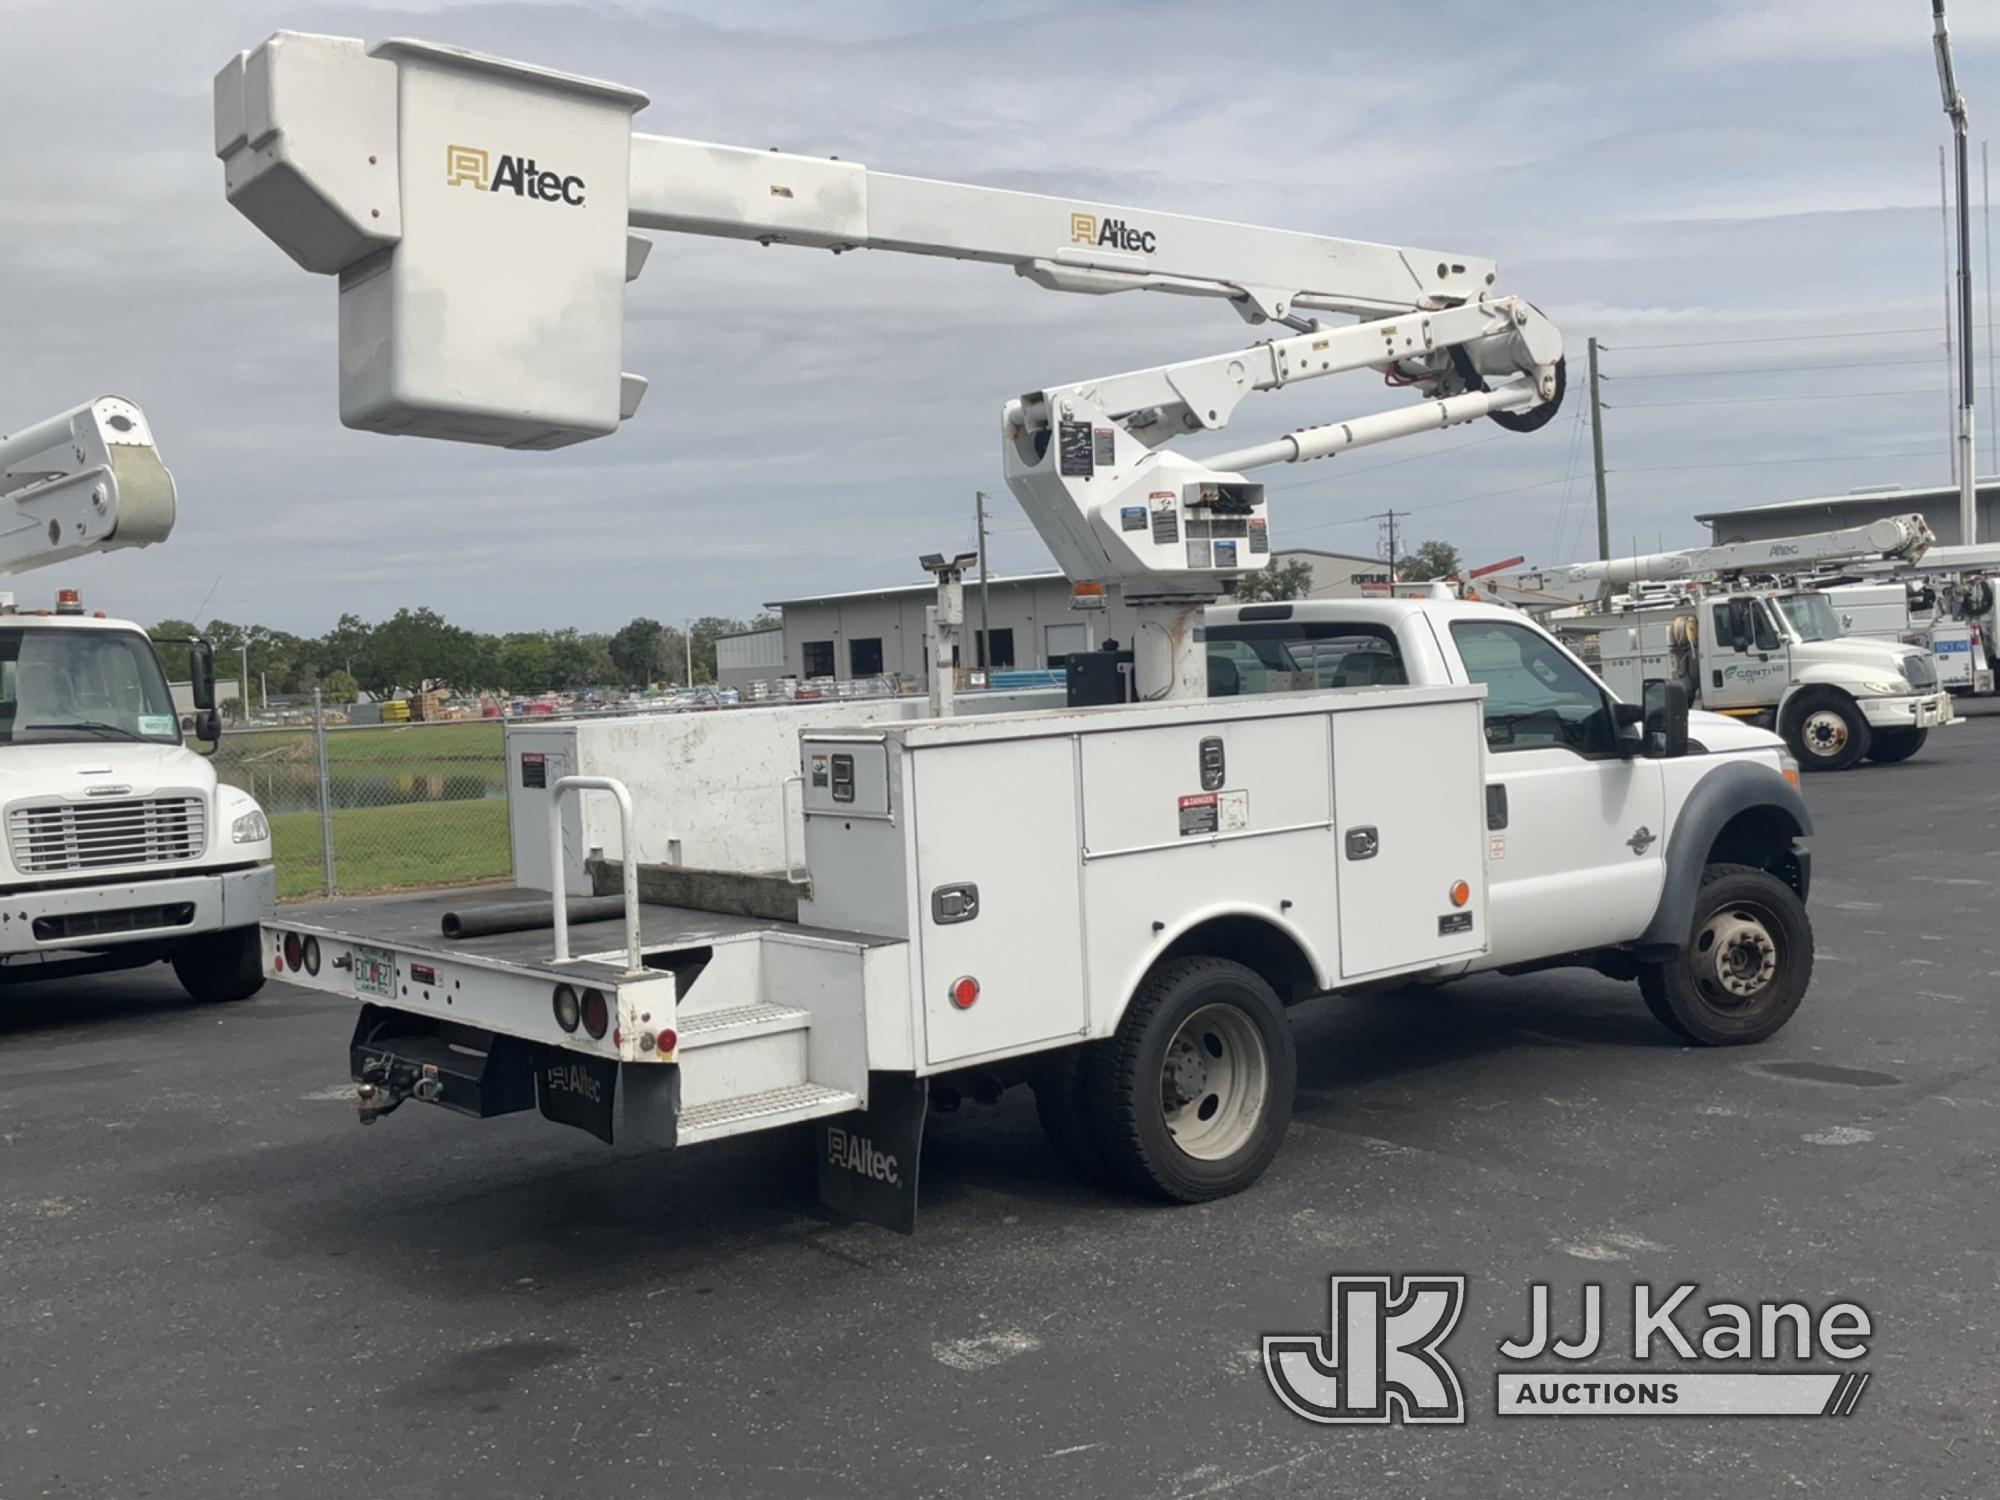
point(1886, 689)
point(251, 828)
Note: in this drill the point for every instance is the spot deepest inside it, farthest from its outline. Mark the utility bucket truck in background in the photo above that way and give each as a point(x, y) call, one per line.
point(120, 845)
point(1113, 904)
point(1743, 627)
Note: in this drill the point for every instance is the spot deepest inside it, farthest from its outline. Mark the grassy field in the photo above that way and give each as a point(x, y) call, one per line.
point(399, 745)
point(390, 848)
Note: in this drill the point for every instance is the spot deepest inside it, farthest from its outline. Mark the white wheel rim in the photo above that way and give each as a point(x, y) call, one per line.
point(1735, 957)
point(1214, 1083)
point(1824, 733)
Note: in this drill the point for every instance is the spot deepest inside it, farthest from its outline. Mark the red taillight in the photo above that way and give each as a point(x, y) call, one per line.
point(596, 1014)
point(669, 1039)
point(294, 951)
point(964, 991)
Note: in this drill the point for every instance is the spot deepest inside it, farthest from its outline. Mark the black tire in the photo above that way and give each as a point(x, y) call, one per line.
point(1825, 730)
point(1690, 995)
point(1892, 745)
point(1062, 1106)
point(1126, 1079)
point(221, 966)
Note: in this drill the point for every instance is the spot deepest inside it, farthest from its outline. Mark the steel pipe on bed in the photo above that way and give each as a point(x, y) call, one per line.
point(526, 916)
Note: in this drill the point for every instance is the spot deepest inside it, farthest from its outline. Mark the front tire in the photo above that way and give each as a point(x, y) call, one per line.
point(1745, 968)
point(1826, 730)
point(218, 967)
point(1192, 1095)
point(1893, 745)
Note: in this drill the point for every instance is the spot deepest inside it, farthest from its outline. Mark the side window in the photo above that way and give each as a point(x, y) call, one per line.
point(1535, 695)
point(1301, 656)
point(1766, 634)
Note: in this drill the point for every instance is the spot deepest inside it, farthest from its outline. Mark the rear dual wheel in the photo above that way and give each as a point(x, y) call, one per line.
point(1189, 1099)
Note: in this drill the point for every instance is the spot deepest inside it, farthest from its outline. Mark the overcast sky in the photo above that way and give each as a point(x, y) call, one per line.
point(1702, 175)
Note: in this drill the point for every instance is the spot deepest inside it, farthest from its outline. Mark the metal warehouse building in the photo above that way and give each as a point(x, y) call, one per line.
point(1939, 506)
point(872, 632)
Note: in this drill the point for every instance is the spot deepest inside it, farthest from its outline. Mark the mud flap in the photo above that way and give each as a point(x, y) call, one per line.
point(868, 1159)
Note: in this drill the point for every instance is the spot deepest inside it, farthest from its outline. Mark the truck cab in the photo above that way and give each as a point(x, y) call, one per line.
point(1582, 827)
point(121, 847)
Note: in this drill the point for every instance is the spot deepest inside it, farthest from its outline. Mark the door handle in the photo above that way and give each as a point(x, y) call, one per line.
point(1363, 842)
point(1496, 807)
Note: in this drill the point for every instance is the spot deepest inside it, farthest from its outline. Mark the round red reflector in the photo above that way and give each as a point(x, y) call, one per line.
point(568, 1012)
point(1460, 893)
point(669, 1039)
point(596, 1014)
point(964, 991)
point(294, 951)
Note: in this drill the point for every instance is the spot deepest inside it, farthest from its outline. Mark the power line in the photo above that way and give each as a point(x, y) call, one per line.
point(1776, 338)
point(1759, 400)
point(1873, 364)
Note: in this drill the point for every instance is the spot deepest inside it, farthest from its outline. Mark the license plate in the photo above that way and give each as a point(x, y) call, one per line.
point(374, 972)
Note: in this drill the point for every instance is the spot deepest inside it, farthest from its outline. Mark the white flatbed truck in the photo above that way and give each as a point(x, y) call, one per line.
point(1114, 904)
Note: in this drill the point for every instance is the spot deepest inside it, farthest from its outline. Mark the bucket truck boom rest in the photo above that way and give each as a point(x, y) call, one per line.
point(478, 214)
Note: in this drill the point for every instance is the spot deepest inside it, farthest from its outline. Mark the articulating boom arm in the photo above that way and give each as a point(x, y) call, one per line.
point(478, 213)
point(1901, 537)
point(88, 480)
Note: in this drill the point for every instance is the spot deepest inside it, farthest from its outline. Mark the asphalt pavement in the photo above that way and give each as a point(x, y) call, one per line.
point(212, 1282)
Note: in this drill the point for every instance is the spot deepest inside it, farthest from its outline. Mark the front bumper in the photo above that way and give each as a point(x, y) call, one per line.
point(135, 911)
point(1919, 711)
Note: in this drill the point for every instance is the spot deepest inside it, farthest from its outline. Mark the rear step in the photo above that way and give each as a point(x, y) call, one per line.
point(709, 1027)
point(762, 1111)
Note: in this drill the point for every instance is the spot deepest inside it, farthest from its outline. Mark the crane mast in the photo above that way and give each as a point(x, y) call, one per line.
point(1903, 538)
point(479, 214)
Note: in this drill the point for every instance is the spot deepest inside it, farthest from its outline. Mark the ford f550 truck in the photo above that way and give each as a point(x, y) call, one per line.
point(121, 847)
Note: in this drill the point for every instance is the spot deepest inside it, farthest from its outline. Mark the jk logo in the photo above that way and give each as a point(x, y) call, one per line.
point(1379, 1359)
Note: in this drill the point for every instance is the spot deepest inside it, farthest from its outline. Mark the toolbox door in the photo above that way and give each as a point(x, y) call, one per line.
point(1409, 826)
point(998, 895)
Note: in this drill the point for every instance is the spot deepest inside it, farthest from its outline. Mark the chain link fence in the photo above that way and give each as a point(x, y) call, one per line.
point(356, 809)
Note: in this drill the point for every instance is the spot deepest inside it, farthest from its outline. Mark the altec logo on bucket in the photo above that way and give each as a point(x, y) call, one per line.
point(471, 166)
point(1381, 1358)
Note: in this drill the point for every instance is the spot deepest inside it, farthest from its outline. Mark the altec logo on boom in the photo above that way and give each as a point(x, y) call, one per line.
point(471, 166)
point(1113, 234)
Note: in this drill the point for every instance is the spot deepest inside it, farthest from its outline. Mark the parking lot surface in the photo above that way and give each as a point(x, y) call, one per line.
point(212, 1282)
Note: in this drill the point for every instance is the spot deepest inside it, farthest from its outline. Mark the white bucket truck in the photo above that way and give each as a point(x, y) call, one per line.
point(1113, 904)
point(1742, 626)
point(120, 845)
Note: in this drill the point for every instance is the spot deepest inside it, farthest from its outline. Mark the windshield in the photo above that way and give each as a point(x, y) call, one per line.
point(75, 685)
point(1811, 616)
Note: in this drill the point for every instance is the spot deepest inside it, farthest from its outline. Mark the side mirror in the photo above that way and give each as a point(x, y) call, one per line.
point(201, 677)
point(1742, 624)
point(208, 726)
point(1666, 720)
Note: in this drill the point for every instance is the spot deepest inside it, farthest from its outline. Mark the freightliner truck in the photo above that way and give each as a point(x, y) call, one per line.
point(120, 847)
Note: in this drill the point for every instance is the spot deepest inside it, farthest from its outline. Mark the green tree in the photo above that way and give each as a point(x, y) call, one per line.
point(1430, 560)
point(638, 651)
point(339, 686)
point(1290, 579)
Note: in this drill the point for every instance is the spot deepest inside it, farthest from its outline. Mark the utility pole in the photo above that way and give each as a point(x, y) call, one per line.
point(985, 598)
point(687, 640)
point(1597, 456)
point(1954, 108)
point(1390, 517)
point(244, 651)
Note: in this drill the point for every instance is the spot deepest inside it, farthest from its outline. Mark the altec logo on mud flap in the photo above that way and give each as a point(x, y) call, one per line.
point(470, 166)
point(857, 1153)
point(1112, 234)
point(1381, 1359)
point(574, 1078)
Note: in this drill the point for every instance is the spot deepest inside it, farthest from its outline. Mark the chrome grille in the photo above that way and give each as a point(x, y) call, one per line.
point(94, 835)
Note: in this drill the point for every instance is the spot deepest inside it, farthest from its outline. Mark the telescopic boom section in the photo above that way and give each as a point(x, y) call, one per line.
point(478, 213)
point(89, 480)
point(1900, 538)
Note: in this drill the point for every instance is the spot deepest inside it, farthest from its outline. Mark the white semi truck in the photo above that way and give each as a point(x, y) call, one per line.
point(1743, 627)
point(121, 847)
point(1114, 904)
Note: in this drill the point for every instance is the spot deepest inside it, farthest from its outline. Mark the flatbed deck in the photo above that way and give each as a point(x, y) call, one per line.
point(413, 924)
